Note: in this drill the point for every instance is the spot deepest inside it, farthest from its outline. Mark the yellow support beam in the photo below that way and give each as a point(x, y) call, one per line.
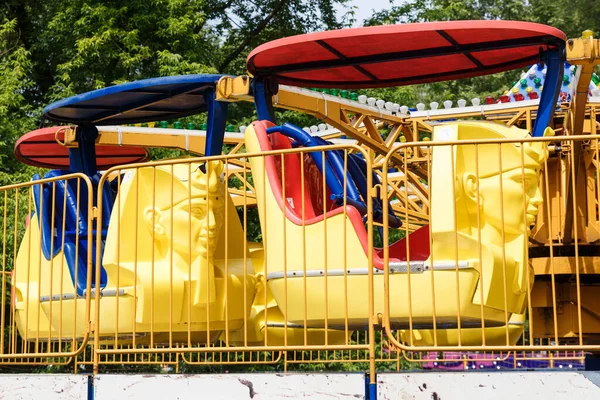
point(192, 141)
point(583, 52)
point(234, 89)
point(334, 113)
point(329, 109)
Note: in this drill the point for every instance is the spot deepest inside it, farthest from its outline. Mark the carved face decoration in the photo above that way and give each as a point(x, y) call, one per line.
point(204, 215)
point(191, 226)
point(499, 183)
point(518, 201)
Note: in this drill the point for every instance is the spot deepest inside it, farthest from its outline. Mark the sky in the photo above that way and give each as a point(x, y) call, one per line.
point(365, 8)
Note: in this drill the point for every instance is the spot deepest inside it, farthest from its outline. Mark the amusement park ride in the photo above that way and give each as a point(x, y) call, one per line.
point(497, 213)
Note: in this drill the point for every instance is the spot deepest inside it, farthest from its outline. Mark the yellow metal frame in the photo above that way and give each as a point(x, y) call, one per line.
point(575, 152)
point(110, 354)
point(557, 346)
point(101, 351)
point(40, 356)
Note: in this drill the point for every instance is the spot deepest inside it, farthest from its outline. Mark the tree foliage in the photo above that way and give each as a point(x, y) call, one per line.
point(15, 111)
point(58, 48)
point(572, 17)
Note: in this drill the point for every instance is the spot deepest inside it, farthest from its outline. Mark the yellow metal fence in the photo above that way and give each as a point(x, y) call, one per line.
point(44, 318)
point(250, 261)
point(492, 208)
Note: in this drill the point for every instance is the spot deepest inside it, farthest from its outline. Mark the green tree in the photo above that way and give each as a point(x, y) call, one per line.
point(54, 49)
point(79, 45)
point(573, 17)
point(16, 115)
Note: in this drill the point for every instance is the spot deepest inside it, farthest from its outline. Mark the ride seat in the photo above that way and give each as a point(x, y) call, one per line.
point(418, 243)
point(346, 176)
point(63, 204)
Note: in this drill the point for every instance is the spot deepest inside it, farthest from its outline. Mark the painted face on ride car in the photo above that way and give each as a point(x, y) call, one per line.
point(511, 205)
point(188, 212)
point(192, 227)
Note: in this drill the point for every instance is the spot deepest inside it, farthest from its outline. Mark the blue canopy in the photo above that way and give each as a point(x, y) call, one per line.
point(144, 101)
point(135, 102)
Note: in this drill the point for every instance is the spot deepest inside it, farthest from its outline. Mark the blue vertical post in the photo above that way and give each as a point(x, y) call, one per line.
point(370, 388)
point(83, 158)
point(263, 91)
point(215, 127)
point(372, 391)
point(90, 386)
point(554, 60)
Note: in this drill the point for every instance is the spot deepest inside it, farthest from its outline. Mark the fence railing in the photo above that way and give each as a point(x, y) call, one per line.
point(47, 232)
point(284, 256)
point(489, 272)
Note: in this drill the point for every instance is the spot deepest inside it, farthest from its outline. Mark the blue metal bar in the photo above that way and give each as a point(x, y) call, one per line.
point(370, 388)
point(263, 100)
point(356, 180)
point(333, 163)
point(333, 158)
point(300, 136)
point(83, 158)
point(336, 158)
point(554, 60)
point(215, 127)
point(372, 391)
point(90, 388)
point(358, 168)
point(288, 130)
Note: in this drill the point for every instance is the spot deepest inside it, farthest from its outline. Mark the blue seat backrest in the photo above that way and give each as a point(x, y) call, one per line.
point(51, 239)
point(61, 200)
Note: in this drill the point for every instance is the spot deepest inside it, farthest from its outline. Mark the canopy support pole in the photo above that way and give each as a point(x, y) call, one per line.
point(555, 64)
point(215, 127)
point(83, 157)
point(263, 91)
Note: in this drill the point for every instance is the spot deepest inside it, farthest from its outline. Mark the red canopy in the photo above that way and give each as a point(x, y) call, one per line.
point(40, 149)
point(394, 55)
